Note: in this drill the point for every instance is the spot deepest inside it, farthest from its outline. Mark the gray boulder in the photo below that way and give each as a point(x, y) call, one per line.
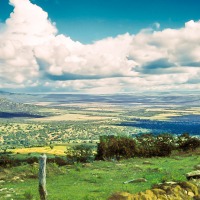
point(138, 180)
point(193, 175)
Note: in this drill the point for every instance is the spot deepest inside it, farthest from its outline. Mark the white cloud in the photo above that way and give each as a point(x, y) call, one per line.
point(32, 54)
point(29, 24)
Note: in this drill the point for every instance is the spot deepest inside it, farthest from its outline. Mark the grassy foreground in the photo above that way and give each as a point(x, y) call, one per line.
point(94, 181)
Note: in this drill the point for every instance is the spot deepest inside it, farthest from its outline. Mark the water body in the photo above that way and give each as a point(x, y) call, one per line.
point(176, 125)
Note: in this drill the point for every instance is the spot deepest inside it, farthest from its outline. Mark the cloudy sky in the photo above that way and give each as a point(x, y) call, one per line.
point(100, 46)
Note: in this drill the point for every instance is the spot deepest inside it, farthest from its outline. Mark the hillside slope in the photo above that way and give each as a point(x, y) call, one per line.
point(10, 109)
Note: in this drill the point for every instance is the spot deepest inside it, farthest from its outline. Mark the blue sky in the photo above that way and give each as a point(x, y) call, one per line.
point(90, 20)
point(100, 46)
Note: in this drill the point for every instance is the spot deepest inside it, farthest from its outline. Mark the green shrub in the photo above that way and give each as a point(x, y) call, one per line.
point(111, 147)
point(190, 144)
point(80, 153)
point(145, 145)
point(155, 145)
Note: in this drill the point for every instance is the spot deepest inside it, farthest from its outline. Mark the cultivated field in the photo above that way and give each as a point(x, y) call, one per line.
point(55, 150)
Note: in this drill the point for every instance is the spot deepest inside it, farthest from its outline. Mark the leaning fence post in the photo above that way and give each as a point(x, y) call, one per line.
point(42, 177)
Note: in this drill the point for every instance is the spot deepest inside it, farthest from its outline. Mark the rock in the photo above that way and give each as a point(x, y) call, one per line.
point(177, 190)
point(15, 178)
point(196, 182)
point(190, 187)
point(191, 194)
point(147, 163)
point(144, 196)
point(193, 175)
point(171, 183)
point(137, 168)
point(2, 181)
point(158, 191)
point(35, 164)
point(138, 180)
point(3, 189)
point(150, 194)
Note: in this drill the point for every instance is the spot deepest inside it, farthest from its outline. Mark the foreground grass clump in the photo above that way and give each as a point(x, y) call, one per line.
point(97, 180)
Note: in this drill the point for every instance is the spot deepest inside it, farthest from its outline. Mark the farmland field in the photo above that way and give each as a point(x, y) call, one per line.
point(56, 150)
point(34, 120)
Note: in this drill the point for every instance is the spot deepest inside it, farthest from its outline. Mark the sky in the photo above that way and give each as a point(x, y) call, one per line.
point(100, 46)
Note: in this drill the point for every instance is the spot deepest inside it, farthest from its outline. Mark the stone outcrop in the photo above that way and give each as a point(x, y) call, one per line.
point(138, 180)
point(165, 191)
point(193, 175)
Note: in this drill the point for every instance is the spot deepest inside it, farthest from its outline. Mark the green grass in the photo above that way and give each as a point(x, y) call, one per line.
point(98, 180)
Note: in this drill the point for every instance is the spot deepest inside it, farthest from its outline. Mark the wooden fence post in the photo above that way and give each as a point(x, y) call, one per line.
point(42, 177)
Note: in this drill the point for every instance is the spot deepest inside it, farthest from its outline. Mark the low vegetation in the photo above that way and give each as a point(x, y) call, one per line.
point(145, 145)
point(78, 176)
point(97, 180)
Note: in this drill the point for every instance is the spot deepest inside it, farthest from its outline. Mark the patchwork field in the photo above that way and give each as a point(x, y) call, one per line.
point(43, 119)
point(56, 150)
point(73, 117)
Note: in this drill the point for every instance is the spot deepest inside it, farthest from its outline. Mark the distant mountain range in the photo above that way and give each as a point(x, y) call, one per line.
point(8, 106)
point(156, 99)
point(4, 92)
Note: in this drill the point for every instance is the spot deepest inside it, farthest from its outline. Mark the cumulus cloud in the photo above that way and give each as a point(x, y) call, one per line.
point(33, 54)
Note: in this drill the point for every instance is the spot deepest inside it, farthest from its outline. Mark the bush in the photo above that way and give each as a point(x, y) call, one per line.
point(164, 145)
point(150, 145)
point(31, 160)
point(80, 153)
point(7, 161)
point(111, 147)
point(190, 144)
point(60, 161)
point(145, 145)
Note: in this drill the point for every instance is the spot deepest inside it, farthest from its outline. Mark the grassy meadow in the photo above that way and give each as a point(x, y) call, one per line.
point(97, 180)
